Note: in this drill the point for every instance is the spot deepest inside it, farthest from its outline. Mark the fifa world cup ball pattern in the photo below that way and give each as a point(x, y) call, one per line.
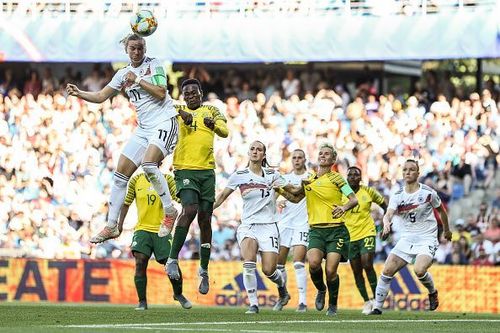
point(143, 23)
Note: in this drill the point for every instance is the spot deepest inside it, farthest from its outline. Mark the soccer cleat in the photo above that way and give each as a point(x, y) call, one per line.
point(172, 269)
point(278, 306)
point(105, 234)
point(143, 305)
point(367, 308)
point(183, 301)
point(252, 309)
point(284, 296)
point(433, 301)
point(332, 310)
point(167, 224)
point(301, 308)
point(204, 282)
point(376, 312)
point(320, 300)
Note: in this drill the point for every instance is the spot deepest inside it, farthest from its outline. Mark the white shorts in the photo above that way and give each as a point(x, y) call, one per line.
point(164, 136)
point(290, 237)
point(409, 250)
point(267, 235)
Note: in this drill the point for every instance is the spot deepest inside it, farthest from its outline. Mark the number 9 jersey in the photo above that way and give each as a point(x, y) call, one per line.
point(257, 191)
point(416, 211)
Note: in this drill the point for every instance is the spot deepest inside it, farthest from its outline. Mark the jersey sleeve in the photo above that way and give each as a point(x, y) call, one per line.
point(158, 77)
point(435, 199)
point(130, 196)
point(234, 181)
point(375, 195)
point(117, 81)
point(279, 180)
point(217, 115)
point(341, 183)
point(393, 202)
point(172, 188)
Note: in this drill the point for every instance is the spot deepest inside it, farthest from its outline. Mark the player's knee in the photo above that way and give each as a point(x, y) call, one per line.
point(331, 274)
point(141, 266)
point(367, 266)
point(314, 265)
point(268, 270)
point(420, 271)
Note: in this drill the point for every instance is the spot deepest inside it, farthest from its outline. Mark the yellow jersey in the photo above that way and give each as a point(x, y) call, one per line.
point(149, 207)
point(195, 148)
point(359, 220)
point(322, 195)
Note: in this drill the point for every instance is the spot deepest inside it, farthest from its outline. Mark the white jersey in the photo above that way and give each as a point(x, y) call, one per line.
point(259, 204)
point(416, 211)
point(150, 110)
point(294, 215)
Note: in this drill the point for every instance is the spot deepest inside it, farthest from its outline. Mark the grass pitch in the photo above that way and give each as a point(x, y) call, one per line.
point(44, 317)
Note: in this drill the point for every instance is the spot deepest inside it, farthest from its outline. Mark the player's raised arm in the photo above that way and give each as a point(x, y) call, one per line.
point(221, 197)
point(217, 123)
point(157, 89)
point(90, 96)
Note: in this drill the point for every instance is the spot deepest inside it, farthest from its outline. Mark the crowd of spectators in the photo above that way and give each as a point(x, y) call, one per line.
point(57, 154)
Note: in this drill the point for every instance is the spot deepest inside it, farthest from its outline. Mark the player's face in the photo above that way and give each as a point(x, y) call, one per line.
point(326, 157)
point(353, 177)
point(298, 160)
point(256, 152)
point(410, 172)
point(136, 50)
point(192, 96)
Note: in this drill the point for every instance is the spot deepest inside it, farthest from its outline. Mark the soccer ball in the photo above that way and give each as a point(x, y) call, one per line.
point(143, 23)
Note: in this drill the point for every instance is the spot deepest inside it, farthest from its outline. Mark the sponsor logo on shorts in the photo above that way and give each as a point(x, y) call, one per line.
point(185, 181)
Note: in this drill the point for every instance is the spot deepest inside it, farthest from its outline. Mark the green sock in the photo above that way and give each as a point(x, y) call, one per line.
point(333, 291)
point(372, 280)
point(178, 241)
point(140, 285)
point(177, 285)
point(317, 279)
point(204, 255)
point(360, 283)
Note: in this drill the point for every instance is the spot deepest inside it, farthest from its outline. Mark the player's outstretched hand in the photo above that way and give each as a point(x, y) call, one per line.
point(337, 212)
point(72, 89)
point(447, 235)
point(209, 122)
point(281, 204)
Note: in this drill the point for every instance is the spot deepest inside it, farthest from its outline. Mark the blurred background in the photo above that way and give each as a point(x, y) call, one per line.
point(382, 80)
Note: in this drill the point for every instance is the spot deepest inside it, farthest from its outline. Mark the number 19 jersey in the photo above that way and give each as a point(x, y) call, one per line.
point(257, 191)
point(294, 215)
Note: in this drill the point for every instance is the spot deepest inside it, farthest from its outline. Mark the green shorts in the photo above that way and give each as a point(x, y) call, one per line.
point(332, 239)
point(201, 181)
point(147, 243)
point(361, 246)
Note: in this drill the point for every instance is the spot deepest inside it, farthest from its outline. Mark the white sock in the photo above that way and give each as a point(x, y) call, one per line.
point(277, 278)
point(250, 281)
point(428, 282)
point(301, 277)
point(383, 285)
point(159, 182)
point(118, 191)
point(282, 269)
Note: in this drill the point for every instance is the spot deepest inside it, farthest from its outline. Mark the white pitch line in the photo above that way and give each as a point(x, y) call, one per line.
point(133, 325)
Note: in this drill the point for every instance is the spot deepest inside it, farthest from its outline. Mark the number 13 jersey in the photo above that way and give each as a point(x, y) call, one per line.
point(259, 204)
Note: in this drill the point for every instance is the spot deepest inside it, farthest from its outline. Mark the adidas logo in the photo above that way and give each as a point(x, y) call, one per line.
point(241, 287)
point(408, 280)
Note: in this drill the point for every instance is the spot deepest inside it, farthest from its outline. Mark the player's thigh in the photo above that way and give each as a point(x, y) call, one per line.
point(162, 140)
point(249, 248)
point(315, 258)
point(161, 247)
point(142, 243)
point(393, 264)
point(133, 153)
point(337, 240)
point(422, 264)
point(355, 249)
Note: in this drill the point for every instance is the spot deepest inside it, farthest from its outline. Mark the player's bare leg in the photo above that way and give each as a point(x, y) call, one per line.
point(152, 158)
point(392, 265)
point(124, 170)
point(422, 264)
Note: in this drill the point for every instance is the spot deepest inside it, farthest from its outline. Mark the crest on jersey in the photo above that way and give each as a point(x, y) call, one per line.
point(420, 198)
point(145, 72)
point(185, 181)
